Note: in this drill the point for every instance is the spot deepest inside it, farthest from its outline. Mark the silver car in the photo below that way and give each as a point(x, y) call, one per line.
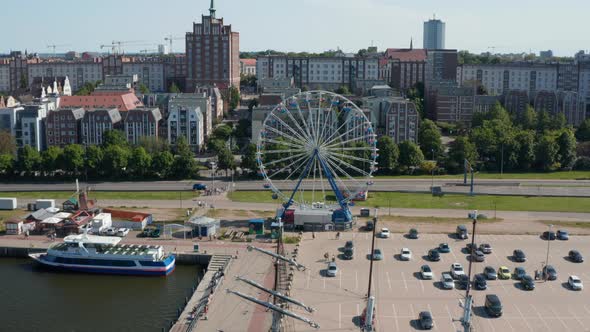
point(332, 270)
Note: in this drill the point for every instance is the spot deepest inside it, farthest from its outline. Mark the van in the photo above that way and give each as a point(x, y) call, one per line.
point(369, 226)
point(348, 253)
point(493, 305)
point(462, 232)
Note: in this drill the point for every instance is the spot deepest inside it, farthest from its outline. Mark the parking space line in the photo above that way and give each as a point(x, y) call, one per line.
point(558, 318)
point(587, 310)
point(395, 317)
point(308, 278)
point(356, 280)
point(491, 325)
point(540, 317)
point(324, 283)
point(339, 315)
point(388, 280)
point(340, 280)
point(405, 283)
point(450, 318)
point(523, 318)
point(358, 310)
point(575, 316)
point(413, 312)
point(421, 285)
point(508, 321)
point(454, 256)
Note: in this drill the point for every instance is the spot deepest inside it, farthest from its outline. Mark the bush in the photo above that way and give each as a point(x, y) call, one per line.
point(291, 239)
point(582, 164)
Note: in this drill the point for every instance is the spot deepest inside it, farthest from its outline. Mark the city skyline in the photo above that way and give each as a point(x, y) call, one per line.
point(264, 25)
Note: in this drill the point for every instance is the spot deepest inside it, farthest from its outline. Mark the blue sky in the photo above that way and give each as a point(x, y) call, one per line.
point(301, 25)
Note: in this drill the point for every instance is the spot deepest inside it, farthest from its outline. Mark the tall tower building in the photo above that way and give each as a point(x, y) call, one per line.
point(212, 53)
point(434, 34)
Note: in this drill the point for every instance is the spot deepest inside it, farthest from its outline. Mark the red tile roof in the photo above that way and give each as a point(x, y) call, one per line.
point(121, 101)
point(406, 54)
point(248, 62)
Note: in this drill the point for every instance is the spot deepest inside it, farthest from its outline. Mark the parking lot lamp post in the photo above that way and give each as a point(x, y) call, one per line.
point(432, 185)
point(372, 253)
point(548, 248)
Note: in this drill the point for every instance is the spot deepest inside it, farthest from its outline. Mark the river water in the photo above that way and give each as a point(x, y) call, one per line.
point(34, 299)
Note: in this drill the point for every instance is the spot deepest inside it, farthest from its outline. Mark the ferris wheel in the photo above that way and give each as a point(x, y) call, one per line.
point(317, 148)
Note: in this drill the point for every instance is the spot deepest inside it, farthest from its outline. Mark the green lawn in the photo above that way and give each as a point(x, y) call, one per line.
point(123, 195)
point(562, 175)
point(462, 202)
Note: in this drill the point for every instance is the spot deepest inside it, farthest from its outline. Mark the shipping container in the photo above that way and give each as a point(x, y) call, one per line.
point(7, 203)
point(45, 203)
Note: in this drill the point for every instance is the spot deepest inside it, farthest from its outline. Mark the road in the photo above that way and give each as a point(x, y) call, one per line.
point(574, 188)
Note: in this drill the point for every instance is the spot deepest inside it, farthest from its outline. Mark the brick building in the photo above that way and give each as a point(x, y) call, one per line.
point(64, 126)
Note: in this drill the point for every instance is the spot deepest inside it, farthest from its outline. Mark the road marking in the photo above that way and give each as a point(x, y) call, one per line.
point(366, 236)
point(395, 317)
point(502, 284)
point(421, 285)
point(558, 318)
point(523, 318)
point(540, 317)
point(324, 282)
point(454, 256)
point(340, 280)
point(587, 310)
point(358, 310)
point(508, 321)
point(451, 318)
point(388, 280)
point(308, 278)
point(339, 315)
point(413, 312)
point(356, 280)
point(575, 317)
point(405, 283)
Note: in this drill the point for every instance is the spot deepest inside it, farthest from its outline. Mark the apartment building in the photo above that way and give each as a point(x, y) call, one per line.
point(96, 122)
point(64, 126)
point(30, 124)
point(185, 118)
point(402, 121)
point(248, 67)
point(149, 71)
point(141, 122)
point(403, 68)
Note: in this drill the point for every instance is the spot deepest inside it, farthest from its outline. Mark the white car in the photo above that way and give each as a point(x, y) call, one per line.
point(575, 283)
point(447, 281)
point(111, 231)
point(122, 231)
point(384, 233)
point(426, 272)
point(332, 270)
point(405, 254)
point(457, 270)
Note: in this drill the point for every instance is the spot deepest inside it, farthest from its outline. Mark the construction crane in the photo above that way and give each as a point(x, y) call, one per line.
point(54, 46)
point(170, 39)
point(116, 45)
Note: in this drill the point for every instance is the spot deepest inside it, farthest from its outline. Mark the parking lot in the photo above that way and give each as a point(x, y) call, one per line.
point(401, 294)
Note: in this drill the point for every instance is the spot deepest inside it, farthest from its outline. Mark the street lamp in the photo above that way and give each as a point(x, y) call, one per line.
point(545, 275)
point(432, 185)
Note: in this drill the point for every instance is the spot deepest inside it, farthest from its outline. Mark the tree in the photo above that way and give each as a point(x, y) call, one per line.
point(139, 162)
point(225, 160)
point(162, 163)
point(546, 153)
point(543, 121)
point(430, 138)
point(566, 152)
point(73, 158)
point(153, 144)
point(51, 159)
point(558, 121)
point(222, 132)
point(252, 103)
point(173, 88)
point(234, 97)
point(29, 159)
point(184, 165)
point(143, 89)
point(249, 158)
point(94, 156)
point(243, 128)
point(526, 119)
point(583, 132)
point(115, 160)
point(87, 88)
point(215, 145)
point(388, 153)
point(6, 163)
point(410, 155)
point(24, 81)
point(525, 154)
point(7, 142)
point(496, 113)
point(581, 164)
point(113, 137)
point(343, 90)
point(460, 149)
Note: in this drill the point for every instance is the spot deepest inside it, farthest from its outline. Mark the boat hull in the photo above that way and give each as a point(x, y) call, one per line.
point(136, 271)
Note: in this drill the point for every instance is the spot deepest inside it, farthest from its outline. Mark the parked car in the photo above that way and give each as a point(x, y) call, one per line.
point(575, 256)
point(457, 270)
point(446, 281)
point(433, 255)
point(426, 272)
point(122, 231)
point(479, 282)
point(201, 186)
point(470, 246)
point(405, 254)
point(490, 273)
point(150, 231)
point(549, 272)
point(377, 255)
point(527, 282)
point(519, 256)
point(486, 248)
point(548, 235)
point(504, 273)
point(461, 232)
point(575, 283)
point(563, 235)
point(493, 305)
point(369, 226)
point(462, 281)
point(348, 253)
point(384, 234)
point(519, 272)
point(266, 186)
point(444, 248)
point(413, 234)
point(478, 256)
point(425, 319)
point(111, 231)
point(332, 270)
point(349, 245)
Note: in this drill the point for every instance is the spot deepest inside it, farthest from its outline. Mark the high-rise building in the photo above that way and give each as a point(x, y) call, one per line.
point(434, 34)
point(213, 53)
